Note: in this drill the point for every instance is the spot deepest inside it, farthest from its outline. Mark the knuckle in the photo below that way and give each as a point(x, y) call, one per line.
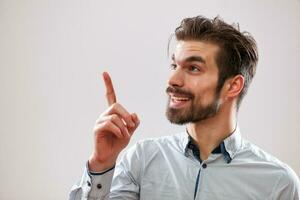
point(115, 105)
point(106, 123)
point(96, 129)
point(114, 117)
point(128, 118)
point(102, 115)
point(99, 120)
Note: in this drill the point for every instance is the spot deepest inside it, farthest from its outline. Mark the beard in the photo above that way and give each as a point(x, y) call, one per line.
point(194, 112)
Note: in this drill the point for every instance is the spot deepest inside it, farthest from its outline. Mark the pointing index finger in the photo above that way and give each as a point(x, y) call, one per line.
point(110, 92)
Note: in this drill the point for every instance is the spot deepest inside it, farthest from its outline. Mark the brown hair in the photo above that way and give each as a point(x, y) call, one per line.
point(238, 50)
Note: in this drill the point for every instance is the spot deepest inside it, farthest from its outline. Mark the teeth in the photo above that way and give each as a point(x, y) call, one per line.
point(180, 98)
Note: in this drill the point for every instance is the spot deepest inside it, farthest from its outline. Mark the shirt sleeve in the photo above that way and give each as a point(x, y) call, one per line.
point(127, 176)
point(287, 187)
point(121, 182)
point(92, 187)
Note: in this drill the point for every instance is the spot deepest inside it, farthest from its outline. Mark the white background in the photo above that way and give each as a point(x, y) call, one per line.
point(52, 54)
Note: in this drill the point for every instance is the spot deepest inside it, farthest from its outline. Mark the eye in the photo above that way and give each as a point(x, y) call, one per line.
point(173, 66)
point(194, 68)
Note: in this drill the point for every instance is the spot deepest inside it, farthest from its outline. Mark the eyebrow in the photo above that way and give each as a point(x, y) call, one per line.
point(191, 59)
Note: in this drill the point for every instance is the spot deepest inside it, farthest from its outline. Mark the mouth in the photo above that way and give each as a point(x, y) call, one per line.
point(178, 101)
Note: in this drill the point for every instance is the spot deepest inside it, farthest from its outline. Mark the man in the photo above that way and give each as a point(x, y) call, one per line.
point(212, 67)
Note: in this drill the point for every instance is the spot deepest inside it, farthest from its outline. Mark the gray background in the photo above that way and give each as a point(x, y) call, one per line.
point(52, 54)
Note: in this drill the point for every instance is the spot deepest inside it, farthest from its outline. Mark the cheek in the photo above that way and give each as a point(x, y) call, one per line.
point(204, 91)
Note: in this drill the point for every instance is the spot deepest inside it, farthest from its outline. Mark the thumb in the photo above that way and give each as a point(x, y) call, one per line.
point(136, 121)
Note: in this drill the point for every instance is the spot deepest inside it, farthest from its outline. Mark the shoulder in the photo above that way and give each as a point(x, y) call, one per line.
point(258, 155)
point(150, 147)
point(162, 140)
point(287, 185)
point(169, 141)
point(287, 178)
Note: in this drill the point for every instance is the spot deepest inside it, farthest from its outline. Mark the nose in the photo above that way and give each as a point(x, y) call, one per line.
point(176, 78)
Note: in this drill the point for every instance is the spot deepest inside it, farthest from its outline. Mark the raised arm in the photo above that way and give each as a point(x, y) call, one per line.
point(112, 132)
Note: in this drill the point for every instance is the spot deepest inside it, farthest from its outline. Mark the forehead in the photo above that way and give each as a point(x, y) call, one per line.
point(206, 50)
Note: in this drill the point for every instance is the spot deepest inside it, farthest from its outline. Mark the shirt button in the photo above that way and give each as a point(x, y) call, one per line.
point(99, 186)
point(204, 165)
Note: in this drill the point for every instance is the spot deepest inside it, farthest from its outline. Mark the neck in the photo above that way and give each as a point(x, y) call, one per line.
point(209, 133)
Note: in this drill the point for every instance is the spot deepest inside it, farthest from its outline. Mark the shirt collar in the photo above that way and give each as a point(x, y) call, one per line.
point(233, 143)
point(228, 147)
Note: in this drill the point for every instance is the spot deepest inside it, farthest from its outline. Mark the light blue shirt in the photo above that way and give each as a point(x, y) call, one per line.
point(165, 169)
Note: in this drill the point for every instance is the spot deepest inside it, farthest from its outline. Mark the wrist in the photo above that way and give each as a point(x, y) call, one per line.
point(100, 166)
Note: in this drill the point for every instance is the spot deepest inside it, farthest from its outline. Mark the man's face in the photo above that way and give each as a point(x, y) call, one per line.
point(192, 85)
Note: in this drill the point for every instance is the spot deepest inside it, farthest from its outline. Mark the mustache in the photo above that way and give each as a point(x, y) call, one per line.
point(176, 90)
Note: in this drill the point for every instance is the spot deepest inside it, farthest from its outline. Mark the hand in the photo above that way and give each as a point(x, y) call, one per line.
point(112, 131)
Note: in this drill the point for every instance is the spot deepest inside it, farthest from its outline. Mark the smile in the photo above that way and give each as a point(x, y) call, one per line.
point(178, 101)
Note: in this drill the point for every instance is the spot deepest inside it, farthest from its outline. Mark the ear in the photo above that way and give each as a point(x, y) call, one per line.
point(234, 86)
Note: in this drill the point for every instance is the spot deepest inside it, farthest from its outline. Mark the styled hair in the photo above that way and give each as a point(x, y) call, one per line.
point(238, 51)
